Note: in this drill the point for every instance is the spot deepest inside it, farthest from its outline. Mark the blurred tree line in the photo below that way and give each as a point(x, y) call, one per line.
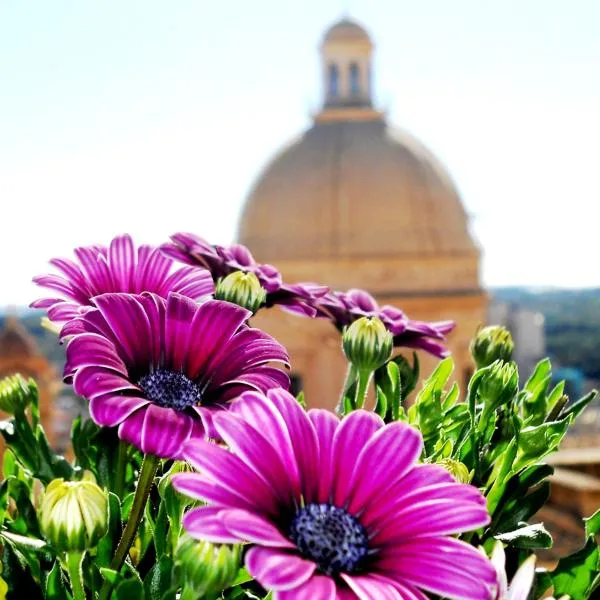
point(572, 323)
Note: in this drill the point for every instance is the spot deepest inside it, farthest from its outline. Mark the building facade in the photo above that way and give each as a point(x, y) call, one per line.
point(355, 202)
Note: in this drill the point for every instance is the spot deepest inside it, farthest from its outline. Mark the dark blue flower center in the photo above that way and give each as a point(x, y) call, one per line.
point(170, 389)
point(334, 539)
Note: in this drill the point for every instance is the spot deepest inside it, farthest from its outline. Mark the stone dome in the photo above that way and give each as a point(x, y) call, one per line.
point(353, 187)
point(346, 30)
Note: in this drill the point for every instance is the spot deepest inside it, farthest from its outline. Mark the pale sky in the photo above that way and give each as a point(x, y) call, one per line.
point(153, 117)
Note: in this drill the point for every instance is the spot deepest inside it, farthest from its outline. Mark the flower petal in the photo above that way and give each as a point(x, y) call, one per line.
point(369, 587)
point(91, 382)
point(318, 587)
point(278, 570)
point(304, 441)
point(259, 454)
point(325, 424)
point(206, 523)
point(385, 459)
point(254, 529)
point(229, 471)
point(91, 349)
point(110, 410)
point(351, 436)
point(432, 518)
point(214, 325)
point(158, 431)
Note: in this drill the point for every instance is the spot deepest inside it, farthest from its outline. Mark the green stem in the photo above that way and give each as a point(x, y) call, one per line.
point(142, 491)
point(121, 467)
point(364, 378)
point(351, 375)
point(74, 560)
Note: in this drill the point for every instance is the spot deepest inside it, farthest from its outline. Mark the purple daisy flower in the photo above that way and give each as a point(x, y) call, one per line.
point(345, 307)
point(161, 369)
point(118, 268)
point(334, 509)
point(223, 260)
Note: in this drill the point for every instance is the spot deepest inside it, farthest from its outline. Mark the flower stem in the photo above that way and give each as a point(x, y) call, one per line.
point(74, 560)
point(351, 375)
point(142, 491)
point(121, 467)
point(364, 378)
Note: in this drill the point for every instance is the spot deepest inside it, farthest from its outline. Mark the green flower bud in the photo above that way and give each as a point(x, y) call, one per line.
point(243, 289)
point(367, 343)
point(490, 344)
point(499, 383)
point(457, 469)
point(16, 393)
point(73, 514)
point(205, 569)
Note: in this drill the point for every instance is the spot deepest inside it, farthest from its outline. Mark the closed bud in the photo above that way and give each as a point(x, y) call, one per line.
point(367, 343)
point(499, 383)
point(490, 344)
point(243, 289)
point(16, 394)
point(206, 569)
point(457, 469)
point(73, 514)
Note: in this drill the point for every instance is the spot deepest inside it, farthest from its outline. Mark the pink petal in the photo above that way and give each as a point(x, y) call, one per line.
point(122, 262)
point(262, 415)
point(178, 331)
point(91, 382)
point(432, 518)
point(91, 349)
point(130, 325)
point(165, 431)
point(318, 587)
point(304, 441)
point(369, 587)
point(206, 523)
point(198, 487)
point(112, 409)
point(325, 424)
point(252, 528)
point(278, 570)
point(214, 325)
point(258, 453)
point(420, 476)
point(351, 436)
point(229, 471)
point(386, 458)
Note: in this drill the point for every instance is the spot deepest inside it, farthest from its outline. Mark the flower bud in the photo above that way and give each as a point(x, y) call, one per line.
point(243, 289)
point(457, 469)
point(73, 514)
point(490, 344)
point(204, 568)
point(16, 393)
point(498, 384)
point(367, 343)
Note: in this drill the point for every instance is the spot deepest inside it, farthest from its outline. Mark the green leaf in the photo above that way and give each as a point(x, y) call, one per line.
point(577, 407)
point(242, 577)
point(528, 537)
point(56, 585)
point(129, 589)
point(520, 509)
point(159, 580)
point(575, 574)
point(110, 575)
point(106, 546)
point(536, 442)
point(592, 524)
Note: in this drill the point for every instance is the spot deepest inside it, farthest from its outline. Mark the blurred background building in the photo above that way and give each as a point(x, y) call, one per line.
point(355, 202)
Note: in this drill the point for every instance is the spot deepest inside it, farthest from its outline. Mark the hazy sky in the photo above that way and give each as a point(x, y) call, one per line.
point(153, 117)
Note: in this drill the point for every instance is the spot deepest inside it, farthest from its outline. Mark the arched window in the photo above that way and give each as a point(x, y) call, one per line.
point(354, 79)
point(334, 81)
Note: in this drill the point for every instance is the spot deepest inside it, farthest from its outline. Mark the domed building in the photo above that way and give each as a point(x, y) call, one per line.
point(355, 202)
